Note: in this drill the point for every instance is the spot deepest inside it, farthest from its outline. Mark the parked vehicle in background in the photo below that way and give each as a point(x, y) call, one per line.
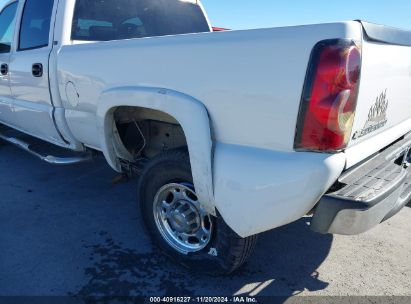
point(219, 29)
point(231, 133)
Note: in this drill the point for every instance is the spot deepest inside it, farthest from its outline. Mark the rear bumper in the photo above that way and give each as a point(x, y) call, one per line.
point(373, 192)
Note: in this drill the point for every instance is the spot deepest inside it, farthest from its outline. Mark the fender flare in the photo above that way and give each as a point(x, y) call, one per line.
point(190, 113)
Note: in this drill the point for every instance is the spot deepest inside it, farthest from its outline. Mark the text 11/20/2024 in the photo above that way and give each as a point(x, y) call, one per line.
point(236, 299)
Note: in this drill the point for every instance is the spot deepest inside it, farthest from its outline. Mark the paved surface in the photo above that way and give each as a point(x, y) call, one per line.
point(69, 230)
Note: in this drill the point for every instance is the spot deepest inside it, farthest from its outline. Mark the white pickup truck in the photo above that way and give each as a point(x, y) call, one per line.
point(231, 133)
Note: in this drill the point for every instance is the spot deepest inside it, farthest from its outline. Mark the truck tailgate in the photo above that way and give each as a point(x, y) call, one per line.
point(384, 103)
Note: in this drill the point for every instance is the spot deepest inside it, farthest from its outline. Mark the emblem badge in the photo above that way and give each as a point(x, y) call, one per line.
point(377, 117)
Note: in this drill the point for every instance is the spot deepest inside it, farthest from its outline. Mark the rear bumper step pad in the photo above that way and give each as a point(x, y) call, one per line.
point(372, 192)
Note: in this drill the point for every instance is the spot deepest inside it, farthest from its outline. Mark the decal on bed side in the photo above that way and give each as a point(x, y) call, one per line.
point(377, 117)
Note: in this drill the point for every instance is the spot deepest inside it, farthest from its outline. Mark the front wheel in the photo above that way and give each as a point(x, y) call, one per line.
point(180, 226)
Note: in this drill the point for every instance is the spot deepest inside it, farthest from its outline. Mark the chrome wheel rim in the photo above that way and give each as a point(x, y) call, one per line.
point(182, 222)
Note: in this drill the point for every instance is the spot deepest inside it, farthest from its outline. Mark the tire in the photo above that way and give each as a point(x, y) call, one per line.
point(225, 251)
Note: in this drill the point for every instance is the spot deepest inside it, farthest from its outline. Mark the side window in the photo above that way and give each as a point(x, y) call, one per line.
point(101, 20)
point(35, 24)
point(7, 23)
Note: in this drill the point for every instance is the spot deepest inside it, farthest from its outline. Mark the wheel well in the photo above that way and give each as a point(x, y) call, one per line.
point(144, 133)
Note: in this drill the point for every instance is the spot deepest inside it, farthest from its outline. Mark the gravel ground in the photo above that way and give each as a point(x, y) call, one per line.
point(70, 231)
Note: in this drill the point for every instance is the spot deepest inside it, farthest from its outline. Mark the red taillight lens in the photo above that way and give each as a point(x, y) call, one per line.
point(330, 96)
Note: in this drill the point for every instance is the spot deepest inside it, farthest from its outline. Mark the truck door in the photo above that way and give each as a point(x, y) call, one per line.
point(7, 22)
point(29, 70)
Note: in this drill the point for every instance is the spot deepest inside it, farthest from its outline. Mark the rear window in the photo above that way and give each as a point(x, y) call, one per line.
point(104, 20)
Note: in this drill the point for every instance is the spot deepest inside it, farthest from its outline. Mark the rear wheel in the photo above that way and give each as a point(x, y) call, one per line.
point(180, 226)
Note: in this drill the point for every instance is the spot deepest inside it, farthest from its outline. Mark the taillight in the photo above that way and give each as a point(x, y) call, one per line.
point(329, 98)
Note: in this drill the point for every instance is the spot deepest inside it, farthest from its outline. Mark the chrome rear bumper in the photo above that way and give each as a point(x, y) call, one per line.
point(368, 194)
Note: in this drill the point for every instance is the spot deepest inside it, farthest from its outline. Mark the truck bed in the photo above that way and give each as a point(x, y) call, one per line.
point(241, 77)
point(258, 75)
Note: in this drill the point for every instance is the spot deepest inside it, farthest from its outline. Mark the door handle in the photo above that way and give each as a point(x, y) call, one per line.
point(37, 70)
point(4, 69)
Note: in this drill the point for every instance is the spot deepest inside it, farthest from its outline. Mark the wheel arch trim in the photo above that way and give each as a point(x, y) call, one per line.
point(190, 113)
